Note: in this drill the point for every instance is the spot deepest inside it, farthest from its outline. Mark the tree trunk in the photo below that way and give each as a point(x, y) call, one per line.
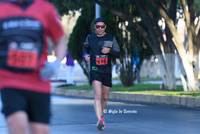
point(167, 76)
point(170, 65)
point(126, 72)
point(192, 41)
point(183, 74)
point(192, 81)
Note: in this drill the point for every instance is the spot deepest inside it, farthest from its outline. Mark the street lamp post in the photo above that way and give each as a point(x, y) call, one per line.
point(97, 10)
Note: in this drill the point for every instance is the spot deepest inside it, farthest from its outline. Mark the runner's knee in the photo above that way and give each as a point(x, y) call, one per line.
point(97, 97)
point(16, 127)
point(39, 128)
point(105, 97)
point(17, 122)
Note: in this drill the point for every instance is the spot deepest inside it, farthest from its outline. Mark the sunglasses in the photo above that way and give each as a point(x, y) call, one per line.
point(98, 26)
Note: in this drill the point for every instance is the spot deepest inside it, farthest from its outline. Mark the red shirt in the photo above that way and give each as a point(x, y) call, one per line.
point(47, 15)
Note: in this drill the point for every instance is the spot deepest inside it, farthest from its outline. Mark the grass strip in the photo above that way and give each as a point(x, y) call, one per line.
point(142, 88)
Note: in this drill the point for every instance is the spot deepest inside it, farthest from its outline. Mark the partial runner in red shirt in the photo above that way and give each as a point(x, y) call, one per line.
point(25, 26)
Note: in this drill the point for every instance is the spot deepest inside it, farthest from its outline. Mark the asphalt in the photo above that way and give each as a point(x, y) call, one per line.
point(75, 115)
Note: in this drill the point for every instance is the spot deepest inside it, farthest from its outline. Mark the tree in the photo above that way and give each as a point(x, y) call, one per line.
point(166, 60)
point(127, 38)
point(190, 62)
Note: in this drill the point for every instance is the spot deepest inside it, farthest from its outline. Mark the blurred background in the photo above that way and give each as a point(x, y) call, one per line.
point(153, 37)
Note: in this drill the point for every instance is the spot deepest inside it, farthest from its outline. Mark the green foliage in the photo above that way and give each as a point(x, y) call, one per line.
point(81, 29)
point(80, 32)
point(197, 7)
point(77, 37)
point(65, 6)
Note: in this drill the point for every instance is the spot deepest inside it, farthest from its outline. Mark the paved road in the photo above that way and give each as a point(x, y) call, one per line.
point(72, 115)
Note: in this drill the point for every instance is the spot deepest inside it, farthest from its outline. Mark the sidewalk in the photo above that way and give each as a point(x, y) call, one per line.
point(133, 97)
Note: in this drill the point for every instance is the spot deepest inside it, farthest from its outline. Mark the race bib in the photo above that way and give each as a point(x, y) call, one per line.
point(101, 59)
point(22, 55)
point(21, 43)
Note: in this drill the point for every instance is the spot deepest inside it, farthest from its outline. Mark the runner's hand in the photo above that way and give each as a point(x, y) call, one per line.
point(49, 69)
point(87, 57)
point(105, 50)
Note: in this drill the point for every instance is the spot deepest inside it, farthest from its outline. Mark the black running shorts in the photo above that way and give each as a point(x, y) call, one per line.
point(104, 78)
point(36, 105)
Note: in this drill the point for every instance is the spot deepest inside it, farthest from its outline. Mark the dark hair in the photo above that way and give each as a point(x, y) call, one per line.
point(100, 19)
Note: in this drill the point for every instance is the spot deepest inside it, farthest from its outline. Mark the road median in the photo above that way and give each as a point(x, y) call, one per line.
point(134, 97)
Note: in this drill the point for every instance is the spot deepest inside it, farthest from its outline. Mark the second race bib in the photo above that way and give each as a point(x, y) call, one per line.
point(101, 59)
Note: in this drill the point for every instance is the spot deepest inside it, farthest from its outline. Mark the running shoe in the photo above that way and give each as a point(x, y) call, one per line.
point(102, 118)
point(100, 125)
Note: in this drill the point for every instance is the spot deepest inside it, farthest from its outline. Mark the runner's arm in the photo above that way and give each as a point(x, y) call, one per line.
point(60, 48)
point(115, 51)
point(86, 47)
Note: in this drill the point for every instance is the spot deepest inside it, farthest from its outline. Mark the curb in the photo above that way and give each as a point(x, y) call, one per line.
point(155, 99)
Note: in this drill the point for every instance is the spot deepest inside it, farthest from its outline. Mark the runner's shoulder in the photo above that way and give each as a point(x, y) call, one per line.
point(4, 5)
point(91, 36)
point(94, 35)
point(109, 36)
point(46, 4)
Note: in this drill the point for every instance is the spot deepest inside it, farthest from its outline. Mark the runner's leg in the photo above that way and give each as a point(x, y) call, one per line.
point(72, 74)
point(68, 77)
point(17, 123)
point(39, 128)
point(98, 93)
point(39, 113)
point(104, 99)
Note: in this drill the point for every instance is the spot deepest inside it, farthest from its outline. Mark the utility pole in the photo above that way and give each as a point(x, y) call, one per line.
point(98, 10)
